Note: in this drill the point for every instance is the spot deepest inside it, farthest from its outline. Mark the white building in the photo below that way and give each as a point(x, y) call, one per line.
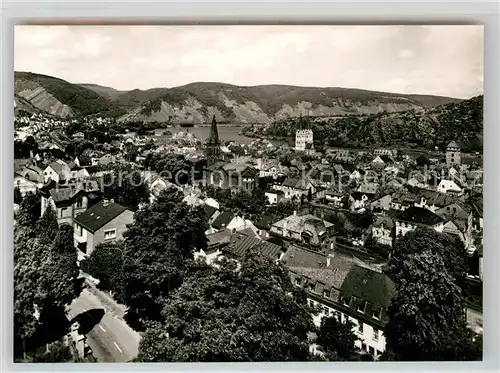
point(302, 138)
point(446, 186)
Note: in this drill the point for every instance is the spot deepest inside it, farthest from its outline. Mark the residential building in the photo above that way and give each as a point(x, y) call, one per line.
point(68, 202)
point(24, 185)
point(104, 222)
point(414, 217)
point(303, 139)
point(447, 186)
point(347, 289)
point(383, 230)
point(58, 171)
point(307, 230)
point(238, 177)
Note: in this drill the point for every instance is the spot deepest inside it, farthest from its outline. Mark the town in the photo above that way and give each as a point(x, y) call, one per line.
point(332, 219)
point(242, 193)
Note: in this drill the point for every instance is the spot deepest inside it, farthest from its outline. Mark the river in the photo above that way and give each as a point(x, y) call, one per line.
point(226, 133)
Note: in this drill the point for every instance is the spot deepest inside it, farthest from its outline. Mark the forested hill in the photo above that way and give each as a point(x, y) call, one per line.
point(461, 122)
point(197, 102)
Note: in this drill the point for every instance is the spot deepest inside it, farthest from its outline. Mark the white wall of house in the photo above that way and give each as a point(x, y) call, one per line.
point(382, 235)
point(372, 340)
point(448, 186)
point(403, 227)
point(272, 197)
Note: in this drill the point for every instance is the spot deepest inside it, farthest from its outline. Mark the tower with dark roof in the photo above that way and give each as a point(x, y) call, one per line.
point(453, 154)
point(213, 144)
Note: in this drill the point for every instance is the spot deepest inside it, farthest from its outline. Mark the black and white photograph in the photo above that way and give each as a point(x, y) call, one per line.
point(247, 193)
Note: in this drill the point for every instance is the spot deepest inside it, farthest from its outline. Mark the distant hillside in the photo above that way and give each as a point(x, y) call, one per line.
point(437, 126)
point(61, 98)
point(198, 102)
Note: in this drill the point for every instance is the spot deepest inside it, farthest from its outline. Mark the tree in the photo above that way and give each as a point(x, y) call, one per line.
point(29, 210)
point(158, 244)
point(45, 274)
point(225, 314)
point(337, 339)
point(126, 186)
point(422, 160)
point(426, 317)
point(47, 227)
point(18, 197)
point(106, 264)
point(449, 247)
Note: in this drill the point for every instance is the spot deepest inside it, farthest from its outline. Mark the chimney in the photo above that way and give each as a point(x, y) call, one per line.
point(294, 212)
point(105, 202)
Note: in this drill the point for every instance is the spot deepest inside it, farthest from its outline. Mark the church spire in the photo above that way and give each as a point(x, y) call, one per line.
point(214, 134)
point(213, 144)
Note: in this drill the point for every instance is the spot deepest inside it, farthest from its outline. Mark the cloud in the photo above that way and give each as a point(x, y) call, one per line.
point(441, 60)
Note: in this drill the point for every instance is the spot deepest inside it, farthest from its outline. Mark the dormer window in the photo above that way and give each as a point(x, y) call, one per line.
point(376, 313)
point(361, 306)
point(297, 281)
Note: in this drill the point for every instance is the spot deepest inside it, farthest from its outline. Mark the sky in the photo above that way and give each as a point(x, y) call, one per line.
point(438, 60)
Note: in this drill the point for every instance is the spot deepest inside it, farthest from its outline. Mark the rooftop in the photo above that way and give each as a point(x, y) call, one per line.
point(419, 215)
point(99, 215)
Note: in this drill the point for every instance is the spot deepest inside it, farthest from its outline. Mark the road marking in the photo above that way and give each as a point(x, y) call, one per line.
point(118, 347)
point(104, 330)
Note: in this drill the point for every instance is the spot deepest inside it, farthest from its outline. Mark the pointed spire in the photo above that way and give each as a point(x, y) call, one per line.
point(214, 134)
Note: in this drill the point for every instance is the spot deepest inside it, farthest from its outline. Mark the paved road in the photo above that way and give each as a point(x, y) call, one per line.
point(111, 339)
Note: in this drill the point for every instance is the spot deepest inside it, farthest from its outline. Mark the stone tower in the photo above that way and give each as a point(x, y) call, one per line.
point(213, 144)
point(452, 154)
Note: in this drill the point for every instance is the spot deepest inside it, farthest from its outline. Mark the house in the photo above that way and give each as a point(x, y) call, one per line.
point(58, 171)
point(414, 217)
point(158, 185)
point(104, 222)
point(68, 202)
point(447, 186)
point(274, 196)
point(107, 159)
point(232, 176)
point(215, 242)
point(307, 230)
point(361, 199)
point(24, 185)
point(245, 240)
point(334, 197)
point(382, 203)
point(264, 226)
point(211, 213)
point(383, 230)
point(339, 286)
point(297, 187)
point(32, 173)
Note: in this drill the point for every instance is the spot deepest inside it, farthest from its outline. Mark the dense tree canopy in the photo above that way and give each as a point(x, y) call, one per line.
point(224, 314)
point(29, 210)
point(45, 280)
point(426, 316)
point(162, 238)
point(337, 339)
point(126, 186)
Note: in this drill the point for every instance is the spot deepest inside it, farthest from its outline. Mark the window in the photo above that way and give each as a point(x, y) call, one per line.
point(79, 203)
point(297, 281)
point(63, 209)
point(360, 327)
point(326, 293)
point(363, 346)
point(376, 313)
point(361, 306)
point(371, 350)
point(110, 234)
point(375, 334)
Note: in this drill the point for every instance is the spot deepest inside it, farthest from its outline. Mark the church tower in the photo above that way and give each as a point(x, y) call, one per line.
point(213, 144)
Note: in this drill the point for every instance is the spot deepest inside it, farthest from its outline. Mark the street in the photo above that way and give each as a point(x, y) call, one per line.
point(109, 337)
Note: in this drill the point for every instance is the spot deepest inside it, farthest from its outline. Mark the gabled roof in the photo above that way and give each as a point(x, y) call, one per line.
point(242, 243)
point(368, 285)
point(265, 222)
point(99, 215)
point(223, 220)
point(61, 195)
point(209, 210)
point(453, 144)
point(419, 215)
point(221, 237)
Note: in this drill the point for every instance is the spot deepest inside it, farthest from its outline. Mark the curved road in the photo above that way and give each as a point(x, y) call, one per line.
point(111, 339)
